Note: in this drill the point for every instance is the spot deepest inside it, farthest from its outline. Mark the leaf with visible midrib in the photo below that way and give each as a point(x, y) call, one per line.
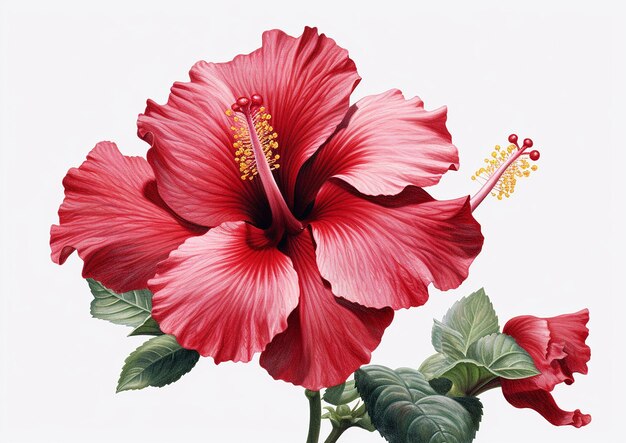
point(130, 308)
point(406, 409)
point(158, 362)
point(148, 327)
point(501, 354)
point(472, 317)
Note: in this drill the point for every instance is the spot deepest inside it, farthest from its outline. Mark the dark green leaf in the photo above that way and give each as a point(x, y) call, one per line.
point(405, 408)
point(341, 394)
point(148, 327)
point(501, 354)
point(441, 385)
point(130, 308)
point(474, 407)
point(158, 362)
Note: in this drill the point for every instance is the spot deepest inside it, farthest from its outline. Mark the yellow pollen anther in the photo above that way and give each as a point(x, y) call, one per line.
point(505, 186)
point(244, 155)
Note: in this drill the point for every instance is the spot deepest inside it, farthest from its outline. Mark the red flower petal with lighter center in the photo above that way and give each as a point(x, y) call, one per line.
point(305, 83)
point(328, 338)
point(557, 346)
point(384, 251)
point(387, 144)
point(225, 294)
point(116, 220)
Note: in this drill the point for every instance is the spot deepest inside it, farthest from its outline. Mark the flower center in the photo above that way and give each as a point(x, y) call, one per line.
point(255, 145)
point(503, 169)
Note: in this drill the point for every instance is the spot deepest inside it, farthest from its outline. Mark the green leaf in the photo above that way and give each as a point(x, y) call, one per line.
point(148, 327)
point(158, 362)
point(472, 317)
point(130, 308)
point(501, 354)
point(474, 407)
point(440, 385)
point(434, 366)
point(341, 394)
point(405, 408)
point(448, 341)
point(467, 376)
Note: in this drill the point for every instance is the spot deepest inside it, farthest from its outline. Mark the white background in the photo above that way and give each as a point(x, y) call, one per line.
point(73, 74)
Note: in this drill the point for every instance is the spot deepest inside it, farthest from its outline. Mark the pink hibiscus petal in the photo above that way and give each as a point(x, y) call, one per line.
point(192, 154)
point(328, 338)
point(113, 215)
point(225, 294)
point(388, 143)
point(305, 83)
point(543, 402)
point(384, 251)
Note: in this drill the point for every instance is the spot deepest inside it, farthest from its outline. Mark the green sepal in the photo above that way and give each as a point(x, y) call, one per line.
point(341, 394)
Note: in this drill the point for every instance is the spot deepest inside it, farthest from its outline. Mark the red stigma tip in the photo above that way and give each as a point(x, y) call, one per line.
point(243, 101)
point(534, 155)
point(235, 107)
point(528, 143)
point(257, 100)
point(513, 139)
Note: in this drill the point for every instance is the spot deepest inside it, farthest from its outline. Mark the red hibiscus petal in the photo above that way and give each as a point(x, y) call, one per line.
point(387, 144)
point(305, 83)
point(533, 334)
point(542, 402)
point(556, 344)
point(225, 294)
point(570, 332)
point(395, 245)
point(192, 154)
point(116, 220)
point(328, 338)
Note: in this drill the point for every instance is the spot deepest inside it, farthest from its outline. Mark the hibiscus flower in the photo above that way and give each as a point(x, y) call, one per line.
point(557, 346)
point(271, 216)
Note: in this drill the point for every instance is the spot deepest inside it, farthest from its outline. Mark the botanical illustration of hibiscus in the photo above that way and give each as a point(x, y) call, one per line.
point(272, 216)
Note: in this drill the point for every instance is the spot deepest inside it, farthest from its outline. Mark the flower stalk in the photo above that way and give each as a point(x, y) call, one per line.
point(315, 415)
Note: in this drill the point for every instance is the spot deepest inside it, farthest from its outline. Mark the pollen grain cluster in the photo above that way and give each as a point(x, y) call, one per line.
point(519, 168)
point(263, 132)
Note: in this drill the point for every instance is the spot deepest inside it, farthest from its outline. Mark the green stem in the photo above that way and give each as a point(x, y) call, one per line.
point(335, 434)
point(315, 415)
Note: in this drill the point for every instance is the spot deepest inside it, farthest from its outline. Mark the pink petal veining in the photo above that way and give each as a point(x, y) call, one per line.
point(225, 294)
point(385, 251)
